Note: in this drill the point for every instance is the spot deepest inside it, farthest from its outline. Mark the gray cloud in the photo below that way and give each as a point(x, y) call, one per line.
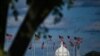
point(49, 23)
point(87, 3)
point(94, 27)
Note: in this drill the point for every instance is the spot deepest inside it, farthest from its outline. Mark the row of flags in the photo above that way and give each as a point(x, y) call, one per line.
point(73, 42)
point(76, 42)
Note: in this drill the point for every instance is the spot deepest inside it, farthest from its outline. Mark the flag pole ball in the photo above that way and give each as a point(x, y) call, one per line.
point(62, 51)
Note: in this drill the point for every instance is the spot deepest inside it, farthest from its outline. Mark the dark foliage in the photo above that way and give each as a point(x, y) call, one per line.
point(93, 53)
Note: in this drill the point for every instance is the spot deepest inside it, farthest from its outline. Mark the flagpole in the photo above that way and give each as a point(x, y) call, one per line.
point(53, 48)
point(78, 50)
point(43, 52)
point(47, 47)
point(34, 50)
point(78, 53)
point(71, 49)
point(75, 50)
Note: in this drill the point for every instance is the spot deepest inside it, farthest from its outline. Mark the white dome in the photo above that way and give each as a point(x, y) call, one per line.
point(62, 51)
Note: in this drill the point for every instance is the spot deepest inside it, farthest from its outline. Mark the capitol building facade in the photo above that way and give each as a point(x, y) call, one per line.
point(62, 51)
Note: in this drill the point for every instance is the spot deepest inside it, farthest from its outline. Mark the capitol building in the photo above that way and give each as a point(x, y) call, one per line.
point(62, 51)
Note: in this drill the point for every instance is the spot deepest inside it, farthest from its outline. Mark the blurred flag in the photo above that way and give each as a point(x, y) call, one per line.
point(45, 36)
point(39, 33)
point(64, 44)
point(37, 37)
point(42, 46)
point(78, 41)
point(70, 41)
point(49, 37)
point(30, 46)
point(61, 38)
point(8, 36)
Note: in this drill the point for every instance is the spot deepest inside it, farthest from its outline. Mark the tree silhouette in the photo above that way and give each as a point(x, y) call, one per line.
point(93, 53)
point(38, 11)
point(4, 4)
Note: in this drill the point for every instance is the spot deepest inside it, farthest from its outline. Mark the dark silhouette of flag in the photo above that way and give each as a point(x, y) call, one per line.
point(30, 46)
point(45, 36)
point(50, 37)
point(70, 41)
point(42, 46)
point(78, 41)
point(61, 38)
point(37, 37)
point(9, 36)
point(64, 44)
